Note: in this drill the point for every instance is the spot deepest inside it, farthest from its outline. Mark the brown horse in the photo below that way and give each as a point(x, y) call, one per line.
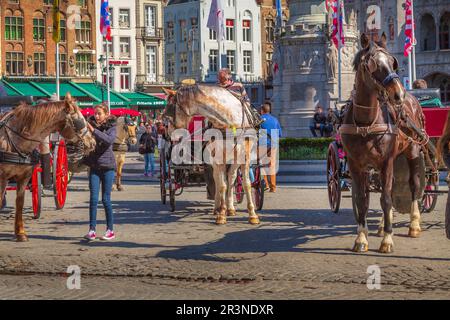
point(21, 132)
point(374, 133)
point(126, 133)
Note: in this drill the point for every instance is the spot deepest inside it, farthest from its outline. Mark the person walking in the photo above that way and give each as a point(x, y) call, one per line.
point(271, 125)
point(102, 166)
point(147, 145)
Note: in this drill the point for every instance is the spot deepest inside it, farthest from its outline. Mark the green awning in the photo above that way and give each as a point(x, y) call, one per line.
point(8, 89)
point(117, 99)
point(26, 89)
point(141, 99)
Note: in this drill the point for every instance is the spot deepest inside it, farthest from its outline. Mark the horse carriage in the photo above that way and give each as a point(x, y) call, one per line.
point(58, 166)
point(338, 175)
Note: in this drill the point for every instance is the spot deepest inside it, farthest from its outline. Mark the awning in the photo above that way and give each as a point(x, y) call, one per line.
point(117, 99)
point(25, 89)
point(144, 100)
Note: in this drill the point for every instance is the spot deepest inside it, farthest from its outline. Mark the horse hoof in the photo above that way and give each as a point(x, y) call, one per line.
point(120, 188)
point(253, 220)
point(380, 232)
point(221, 220)
point(360, 247)
point(386, 248)
point(231, 212)
point(414, 233)
point(21, 238)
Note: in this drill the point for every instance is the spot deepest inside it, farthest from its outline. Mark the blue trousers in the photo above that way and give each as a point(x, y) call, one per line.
point(149, 160)
point(106, 179)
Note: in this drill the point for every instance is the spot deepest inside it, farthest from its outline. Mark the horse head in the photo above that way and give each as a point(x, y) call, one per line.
point(177, 115)
point(378, 69)
point(74, 129)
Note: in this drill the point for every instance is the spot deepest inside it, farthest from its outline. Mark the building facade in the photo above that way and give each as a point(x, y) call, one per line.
point(150, 75)
point(192, 49)
point(28, 49)
point(308, 63)
point(268, 32)
point(122, 49)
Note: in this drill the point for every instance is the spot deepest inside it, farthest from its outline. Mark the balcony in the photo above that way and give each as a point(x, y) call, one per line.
point(151, 33)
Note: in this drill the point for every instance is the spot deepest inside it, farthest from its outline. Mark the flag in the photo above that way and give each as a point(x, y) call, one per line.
point(216, 19)
point(56, 22)
point(337, 34)
point(105, 22)
point(409, 28)
point(279, 13)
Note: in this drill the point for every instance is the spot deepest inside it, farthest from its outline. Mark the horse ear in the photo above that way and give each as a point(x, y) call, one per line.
point(364, 41)
point(169, 92)
point(383, 41)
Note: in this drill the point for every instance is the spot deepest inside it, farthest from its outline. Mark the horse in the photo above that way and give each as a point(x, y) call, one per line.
point(376, 129)
point(126, 133)
point(21, 132)
point(223, 110)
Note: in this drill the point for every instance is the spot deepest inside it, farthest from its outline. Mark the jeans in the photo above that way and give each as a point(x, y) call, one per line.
point(106, 178)
point(313, 129)
point(149, 159)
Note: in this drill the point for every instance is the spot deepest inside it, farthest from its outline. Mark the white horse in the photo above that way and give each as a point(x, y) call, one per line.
point(224, 111)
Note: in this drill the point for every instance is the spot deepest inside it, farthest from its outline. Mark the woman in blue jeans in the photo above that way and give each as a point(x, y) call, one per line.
point(102, 167)
point(147, 144)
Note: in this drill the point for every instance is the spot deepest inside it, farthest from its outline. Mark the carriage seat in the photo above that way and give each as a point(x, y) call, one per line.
point(430, 97)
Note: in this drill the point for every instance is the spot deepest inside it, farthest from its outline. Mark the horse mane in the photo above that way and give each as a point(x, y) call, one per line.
point(34, 117)
point(185, 94)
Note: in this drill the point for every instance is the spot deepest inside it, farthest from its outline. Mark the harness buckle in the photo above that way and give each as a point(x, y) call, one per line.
point(363, 131)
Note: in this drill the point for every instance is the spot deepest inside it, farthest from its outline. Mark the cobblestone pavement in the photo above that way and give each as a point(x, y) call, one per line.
point(299, 251)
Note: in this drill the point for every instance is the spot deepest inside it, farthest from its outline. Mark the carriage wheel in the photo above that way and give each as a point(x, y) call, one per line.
point(258, 187)
point(36, 192)
point(162, 177)
point(429, 201)
point(333, 178)
point(60, 174)
point(238, 188)
point(172, 188)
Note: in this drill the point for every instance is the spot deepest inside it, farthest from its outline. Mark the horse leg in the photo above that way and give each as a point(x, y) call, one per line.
point(18, 224)
point(387, 172)
point(414, 183)
point(3, 184)
point(380, 232)
point(221, 188)
point(360, 196)
point(232, 174)
point(247, 186)
point(121, 162)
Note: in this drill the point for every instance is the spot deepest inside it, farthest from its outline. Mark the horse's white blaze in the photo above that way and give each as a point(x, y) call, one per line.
point(415, 215)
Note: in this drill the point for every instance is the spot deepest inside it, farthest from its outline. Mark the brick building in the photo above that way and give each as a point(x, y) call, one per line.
point(28, 49)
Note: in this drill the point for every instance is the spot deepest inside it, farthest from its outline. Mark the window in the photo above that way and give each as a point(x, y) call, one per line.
point(150, 20)
point(183, 62)
point(247, 32)
point(111, 77)
point(183, 31)
point(230, 29)
point(14, 63)
point(110, 48)
point(82, 3)
point(212, 34)
point(39, 63)
point(83, 32)
point(83, 63)
point(231, 60)
point(38, 29)
point(213, 60)
point(125, 47)
point(170, 31)
point(124, 18)
point(427, 33)
point(63, 29)
point(444, 32)
point(151, 63)
point(63, 64)
point(270, 30)
point(13, 28)
point(171, 64)
point(195, 61)
point(247, 61)
point(269, 56)
point(231, 3)
point(445, 90)
point(125, 78)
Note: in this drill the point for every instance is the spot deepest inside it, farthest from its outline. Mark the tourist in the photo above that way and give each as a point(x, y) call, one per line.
point(318, 122)
point(147, 145)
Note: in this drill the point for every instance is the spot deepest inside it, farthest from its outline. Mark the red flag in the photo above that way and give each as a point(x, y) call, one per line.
point(409, 28)
point(337, 34)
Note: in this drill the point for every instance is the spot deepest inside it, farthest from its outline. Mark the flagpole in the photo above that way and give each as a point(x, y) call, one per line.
point(56, 15)
point(413, 58)
point(108, 95)
point(339, 52)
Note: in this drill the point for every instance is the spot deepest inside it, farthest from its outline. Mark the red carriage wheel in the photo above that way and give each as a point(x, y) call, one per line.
point(238, 188)
point(36, 192)
point(258, 187)
point(162, 176)
point(60, 174)
point(333, 178)
point(429, 201)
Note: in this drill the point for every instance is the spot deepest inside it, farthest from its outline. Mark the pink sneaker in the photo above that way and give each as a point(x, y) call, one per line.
point(109, 235)
point(90, 236)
